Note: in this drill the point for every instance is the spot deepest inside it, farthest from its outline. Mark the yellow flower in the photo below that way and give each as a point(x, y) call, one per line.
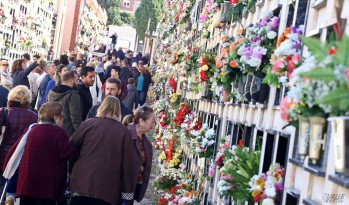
point(162, 156)
point(204, 67)
point(255, 192)
point(179, 92)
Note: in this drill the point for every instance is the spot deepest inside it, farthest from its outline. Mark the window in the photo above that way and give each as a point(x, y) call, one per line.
point(126, 4)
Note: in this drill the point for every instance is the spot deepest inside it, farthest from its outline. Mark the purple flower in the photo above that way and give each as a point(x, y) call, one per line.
point(274, 22)
point(263, 22)
point(215, 75)
point(259, 55)
point(293, 29)
point(278, 187)
point(248, 53)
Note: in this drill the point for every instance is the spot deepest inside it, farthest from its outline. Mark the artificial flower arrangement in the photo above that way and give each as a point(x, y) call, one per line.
point(3, 12)
point(203, 141)
point(266, 188)
point(190, 60)
point(330, 75)
point(240, 165)
point(208, 10)
point(184, 7)
point(167, 179)
point(286, 57)
point(225, 144)
point(260, 42)
point(183, 110)
point(207, 66)
point(26, 41)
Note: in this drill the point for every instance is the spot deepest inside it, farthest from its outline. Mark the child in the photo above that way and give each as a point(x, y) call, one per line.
point(131, 97)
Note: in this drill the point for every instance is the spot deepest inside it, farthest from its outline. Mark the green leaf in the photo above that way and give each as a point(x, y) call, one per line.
point(271, 79)
point(338, 98)
point(316, 47)
point(342, 53)
point(326, 74)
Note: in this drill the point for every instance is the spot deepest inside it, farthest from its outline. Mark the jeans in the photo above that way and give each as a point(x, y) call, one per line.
point(112, 46)
point(142, 96)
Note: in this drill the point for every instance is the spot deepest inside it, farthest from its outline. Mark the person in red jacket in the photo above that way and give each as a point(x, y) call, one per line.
point(42, 172)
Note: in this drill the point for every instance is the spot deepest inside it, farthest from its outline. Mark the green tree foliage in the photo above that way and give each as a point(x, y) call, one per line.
point(127, 18)
point(148, 9)
point(112, 8)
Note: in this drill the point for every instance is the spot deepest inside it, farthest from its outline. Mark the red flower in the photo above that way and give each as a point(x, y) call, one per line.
point(332, 51)
point(234, 1)
point(257, 198)
point(203, 62)
point(173, 84)
point(195, 50)
point(203, 76)
point(240, 143)
point(347, 72)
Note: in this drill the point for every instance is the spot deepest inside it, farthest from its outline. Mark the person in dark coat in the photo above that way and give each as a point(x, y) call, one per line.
point(18, 119)
point(143, 122)
point(143, 83)
point(69, 97)
point(125, 72)
point(3, 96)
point(112, 88)
point(20, 71)
point(120, 54)
point(114, 38)
point(134, 71)
point(103, 173)
point(87, 79)
point(131, 97)
point(42, 172)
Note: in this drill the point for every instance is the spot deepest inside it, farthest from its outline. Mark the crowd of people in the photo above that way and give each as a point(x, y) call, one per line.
point(68, 126)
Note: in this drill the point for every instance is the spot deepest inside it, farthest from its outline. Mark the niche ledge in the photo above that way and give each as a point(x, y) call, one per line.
point(309, 201)
point(296, 162)
point(340, 180)
point(317, 171)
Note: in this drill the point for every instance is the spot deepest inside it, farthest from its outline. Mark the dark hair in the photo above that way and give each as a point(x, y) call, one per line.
point(72, 58)
point(141, 63)
point(17, 66)
point(58, 76)
point(36, 56)
point(109, 57)
point(57, 62)
point(116, 68)
point(114, 81)
point(125, 61)
point(26, 56)
point(80, 63)
point(131, 81)
point(142, 112)
point(64, 59)
point(49, 110)
point(86, 70)
point(68, 76)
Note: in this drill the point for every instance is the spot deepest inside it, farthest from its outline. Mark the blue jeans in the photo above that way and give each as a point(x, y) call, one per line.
point(142, 96)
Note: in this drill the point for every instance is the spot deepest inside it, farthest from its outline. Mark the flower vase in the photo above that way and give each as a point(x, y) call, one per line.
point(188, 25)
point(340, 133)
point(303, 136)
point(226, 96)
point(248, 82)
point(259, 91)
point(225, 12)
point(216, 18)
point(317, 127)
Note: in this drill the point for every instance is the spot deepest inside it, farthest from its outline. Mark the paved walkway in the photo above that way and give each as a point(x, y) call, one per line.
point(150, 197)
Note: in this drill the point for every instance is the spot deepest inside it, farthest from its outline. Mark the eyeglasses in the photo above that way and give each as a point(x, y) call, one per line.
point(5, 64)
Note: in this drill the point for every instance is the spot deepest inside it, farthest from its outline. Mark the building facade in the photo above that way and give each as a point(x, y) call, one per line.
point(129, 6)
point(80, 23)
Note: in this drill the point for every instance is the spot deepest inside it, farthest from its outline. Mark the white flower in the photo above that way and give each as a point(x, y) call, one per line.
point(271, 34)
point(254, 62)
point(209, 133)
point(205, 126)
point(267, 14)
point(283, 79)
point(268, 201)
point(270, 191)
point(194, 133)
point(197, 149)
point(211, 142)
point(286, 49)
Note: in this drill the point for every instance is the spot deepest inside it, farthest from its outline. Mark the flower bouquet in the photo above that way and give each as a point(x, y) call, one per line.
point(219, 161)
point(286, 57)
point(203, 141)
point(184, 109)
point(167, 179)
point(207, 65)
point(240, 166)
point(267, 187)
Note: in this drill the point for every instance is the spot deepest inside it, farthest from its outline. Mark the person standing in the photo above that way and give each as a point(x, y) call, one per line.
point(20, 71)
point(125, 71)
point(143, 83)
point(143, 122)
point(87, 79)
point(57, 80)
point(114, 38)
point(42, 172)
point(112, 88)
point(131, 97)
point(50, 70)
point(69, 97)
point(5, 75)
point(103, 173)
point(71, 65)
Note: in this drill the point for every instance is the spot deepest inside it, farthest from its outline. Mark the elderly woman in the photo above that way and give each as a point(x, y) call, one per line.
point(42, 173)
point(103, 173)
point(143, 121)
point(5, 75)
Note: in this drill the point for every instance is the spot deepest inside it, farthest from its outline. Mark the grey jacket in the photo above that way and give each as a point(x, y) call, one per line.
point(70, 99)
point(131, 96)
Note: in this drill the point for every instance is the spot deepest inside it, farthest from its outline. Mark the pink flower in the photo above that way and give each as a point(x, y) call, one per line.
point(347, 72)
point(274, 22)
point(296, 59)
point(279, 64)
point(283, 109)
